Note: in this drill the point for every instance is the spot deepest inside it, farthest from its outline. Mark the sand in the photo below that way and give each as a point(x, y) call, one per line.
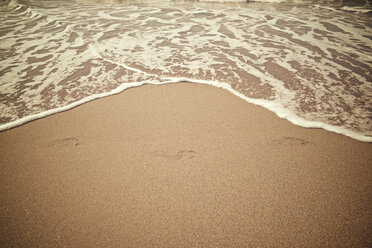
point(181, 165)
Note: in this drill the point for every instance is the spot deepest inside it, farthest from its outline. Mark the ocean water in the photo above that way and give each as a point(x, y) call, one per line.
point(308, 61)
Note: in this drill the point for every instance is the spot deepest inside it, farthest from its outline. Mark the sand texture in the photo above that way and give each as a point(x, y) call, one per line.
point(181, 165)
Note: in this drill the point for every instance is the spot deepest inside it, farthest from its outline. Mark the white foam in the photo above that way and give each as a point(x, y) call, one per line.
point(317, 6)
point(68, 107)
point(356, 9)
point(268, 1)
point(97, 54)
point(280, 110)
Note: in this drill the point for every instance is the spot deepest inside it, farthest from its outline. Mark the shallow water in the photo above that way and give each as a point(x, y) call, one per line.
point(309, 62)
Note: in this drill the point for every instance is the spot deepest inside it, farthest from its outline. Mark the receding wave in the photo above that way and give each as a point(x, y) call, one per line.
point(305, 62)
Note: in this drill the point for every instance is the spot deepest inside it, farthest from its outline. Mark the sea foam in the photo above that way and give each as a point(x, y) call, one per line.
point(306, 63)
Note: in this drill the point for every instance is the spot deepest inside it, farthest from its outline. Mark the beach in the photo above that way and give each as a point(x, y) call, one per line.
point(143, 123)
point(181, 165)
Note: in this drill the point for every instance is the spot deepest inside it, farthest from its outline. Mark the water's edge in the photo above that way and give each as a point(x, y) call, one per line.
point(269, 105)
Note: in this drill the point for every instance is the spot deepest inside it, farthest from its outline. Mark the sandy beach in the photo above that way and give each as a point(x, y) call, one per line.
point(181, 165)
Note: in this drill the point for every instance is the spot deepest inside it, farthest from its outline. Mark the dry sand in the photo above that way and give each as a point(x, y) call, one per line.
point(181, 165)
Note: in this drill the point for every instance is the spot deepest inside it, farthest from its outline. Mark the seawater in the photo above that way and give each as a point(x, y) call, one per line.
point(307, 61)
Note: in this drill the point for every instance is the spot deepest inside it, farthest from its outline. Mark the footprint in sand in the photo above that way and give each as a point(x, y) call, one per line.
point(180, 155)
point(68, 142)
point(291, 141)
point(184, 155)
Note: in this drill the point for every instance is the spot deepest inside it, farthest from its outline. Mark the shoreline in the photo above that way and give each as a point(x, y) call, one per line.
point(280, 111)
point(181, 165)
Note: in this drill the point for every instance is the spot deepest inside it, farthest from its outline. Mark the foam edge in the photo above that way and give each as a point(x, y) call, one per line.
point(279, 110)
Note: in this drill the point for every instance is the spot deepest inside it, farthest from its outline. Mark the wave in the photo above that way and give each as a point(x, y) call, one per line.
point(313, 70)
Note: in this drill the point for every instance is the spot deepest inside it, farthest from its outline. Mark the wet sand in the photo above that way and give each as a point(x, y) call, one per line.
point(181, 165)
